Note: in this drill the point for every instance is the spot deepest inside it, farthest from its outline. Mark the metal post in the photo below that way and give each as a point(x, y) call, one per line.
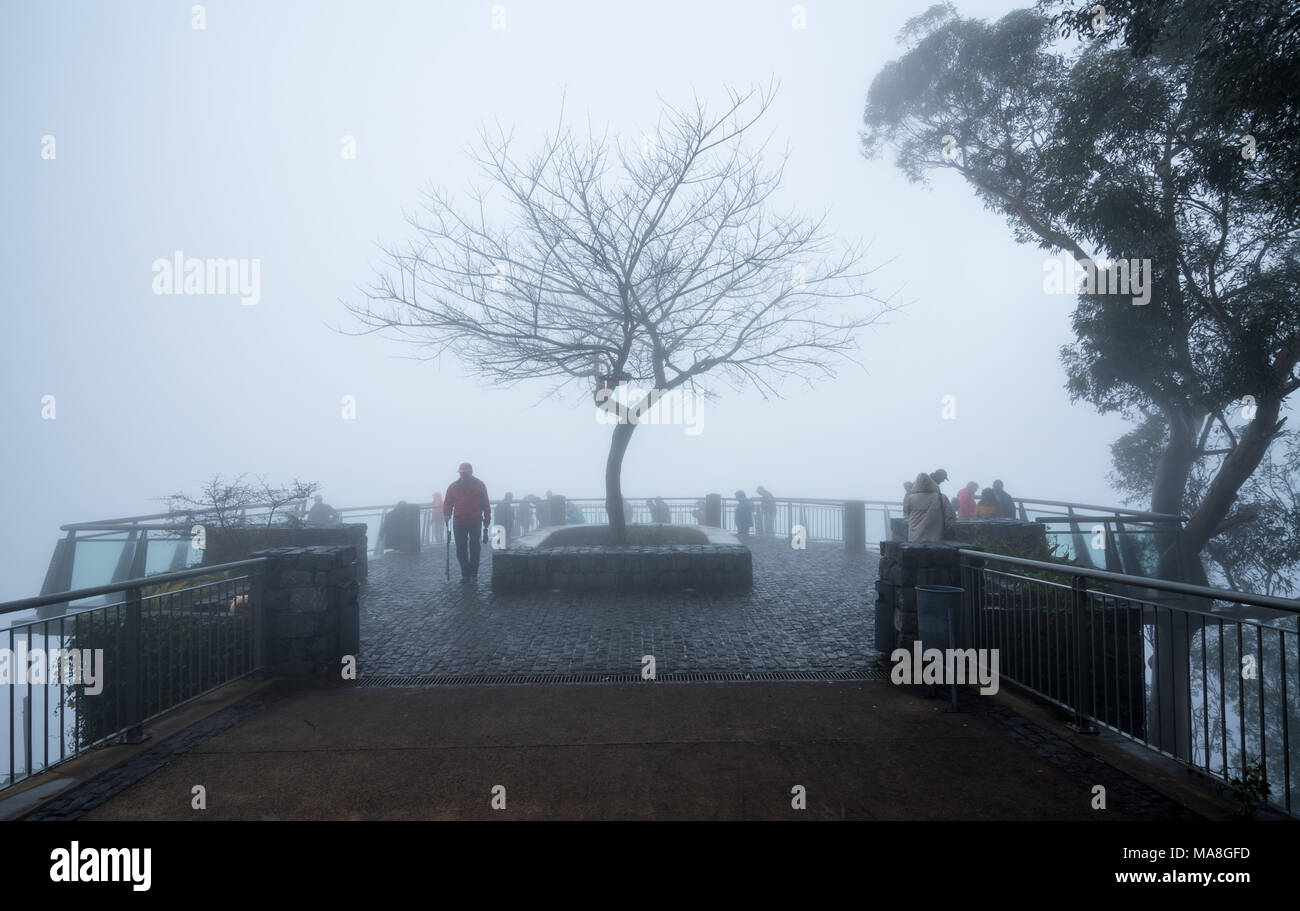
point(134, 713)
point(713, 510)
point(257, 597)
point(1082, 659)
point(854, 526)
point(952, 644)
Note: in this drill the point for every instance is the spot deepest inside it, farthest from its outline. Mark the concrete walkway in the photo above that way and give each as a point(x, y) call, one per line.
point(637, 751)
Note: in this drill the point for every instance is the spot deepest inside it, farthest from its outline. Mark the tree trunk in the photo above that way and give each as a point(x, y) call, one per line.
point(1170, 486)
point(614, 481)
point(1236, 470)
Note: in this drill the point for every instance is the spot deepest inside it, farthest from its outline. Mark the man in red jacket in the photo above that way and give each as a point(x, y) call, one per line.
point(466, 506)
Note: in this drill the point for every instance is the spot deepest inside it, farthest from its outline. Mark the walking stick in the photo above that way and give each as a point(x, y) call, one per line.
point(449, 552)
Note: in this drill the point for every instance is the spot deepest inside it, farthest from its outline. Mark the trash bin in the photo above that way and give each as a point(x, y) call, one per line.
point(938, 622)
point(936, 605)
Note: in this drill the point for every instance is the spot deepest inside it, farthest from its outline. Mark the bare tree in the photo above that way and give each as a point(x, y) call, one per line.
point(658, 260)
point(225, 504)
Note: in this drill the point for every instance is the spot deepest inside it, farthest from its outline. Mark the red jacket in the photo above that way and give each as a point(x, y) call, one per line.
point(468, 503)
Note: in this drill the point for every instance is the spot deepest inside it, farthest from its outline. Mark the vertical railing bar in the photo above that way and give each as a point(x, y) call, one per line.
point(1191, 725)
point(1159, 683)
point(1263, 727)
point(1104, 714)
point(63, 698)
point(1223, 699)
point(13, 759)
point(1130, 728)
point(173, 634)
point(1120, 695)
point(76, 724)
point(1286, 733)
point(1241, 697)
point(1205, 693)
point(134, 666)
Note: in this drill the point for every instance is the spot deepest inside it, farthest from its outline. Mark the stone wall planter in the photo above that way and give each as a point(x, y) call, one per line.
point(723, 564)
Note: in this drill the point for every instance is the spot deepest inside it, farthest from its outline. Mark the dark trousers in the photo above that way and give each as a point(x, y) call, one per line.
point(469, 539)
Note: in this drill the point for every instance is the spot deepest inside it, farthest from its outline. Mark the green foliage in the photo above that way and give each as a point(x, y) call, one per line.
point(1250, 789)
point(1039, 550)
point(182, 655)
point(1097, 153)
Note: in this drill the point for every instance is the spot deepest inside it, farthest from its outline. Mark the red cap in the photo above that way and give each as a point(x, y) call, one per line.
point(466, 466)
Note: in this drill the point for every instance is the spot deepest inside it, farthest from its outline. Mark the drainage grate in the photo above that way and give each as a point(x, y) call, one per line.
point(383, 681)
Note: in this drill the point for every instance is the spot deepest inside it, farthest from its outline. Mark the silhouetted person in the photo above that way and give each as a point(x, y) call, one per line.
point(400, 529)
point(744, 514)
point(467, 506)
point(966, 501)
point(767, 507)
point(322, 513)
point(1006, 503)
point(658, 510)
point(506, 516)
point(530, 512)
point(938, 476)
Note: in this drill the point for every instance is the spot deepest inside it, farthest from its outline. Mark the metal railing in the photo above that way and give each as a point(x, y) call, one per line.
point(150, 644)
point(1207, 677)
point(1132, 541)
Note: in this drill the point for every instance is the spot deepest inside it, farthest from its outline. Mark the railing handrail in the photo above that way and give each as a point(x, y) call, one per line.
point(1113, 510)
point(9, 607)
point(1180, 588)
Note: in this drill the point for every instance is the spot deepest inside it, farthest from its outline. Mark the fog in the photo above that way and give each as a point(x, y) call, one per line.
point(224, 142)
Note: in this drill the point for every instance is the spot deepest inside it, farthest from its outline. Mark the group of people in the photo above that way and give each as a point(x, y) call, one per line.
point(762, 520)
point(930, 513)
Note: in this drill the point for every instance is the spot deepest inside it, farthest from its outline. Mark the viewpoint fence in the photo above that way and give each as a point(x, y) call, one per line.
point(1100, 537)
point(1206, 677)
point(126, 653)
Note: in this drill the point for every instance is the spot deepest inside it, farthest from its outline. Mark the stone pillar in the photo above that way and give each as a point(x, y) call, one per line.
point(855, 526)
point(903, 566)
point(306, 610)
point(713, 510)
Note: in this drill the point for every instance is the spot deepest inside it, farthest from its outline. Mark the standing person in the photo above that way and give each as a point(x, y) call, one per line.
point(744, 514)
point(966, 501)
point(938, 476)
point(988, 507)
point(927, 510)
point(1006, 503)
point(467, 506)
point(767, 506)
point(506, 516)
point(700, 512)
point(322, 513)
point(437, 518)
point(659, 511)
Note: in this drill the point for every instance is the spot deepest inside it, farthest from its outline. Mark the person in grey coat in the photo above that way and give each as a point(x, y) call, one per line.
point(927, 510)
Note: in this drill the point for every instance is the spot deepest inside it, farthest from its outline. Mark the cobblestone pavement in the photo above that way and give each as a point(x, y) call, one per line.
point(809, 609)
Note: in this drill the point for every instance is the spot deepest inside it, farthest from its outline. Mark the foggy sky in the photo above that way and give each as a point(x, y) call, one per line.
point(225, 142)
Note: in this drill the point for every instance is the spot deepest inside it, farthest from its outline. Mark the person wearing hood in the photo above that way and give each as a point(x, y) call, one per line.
point(744, 514)
point(928, 511)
